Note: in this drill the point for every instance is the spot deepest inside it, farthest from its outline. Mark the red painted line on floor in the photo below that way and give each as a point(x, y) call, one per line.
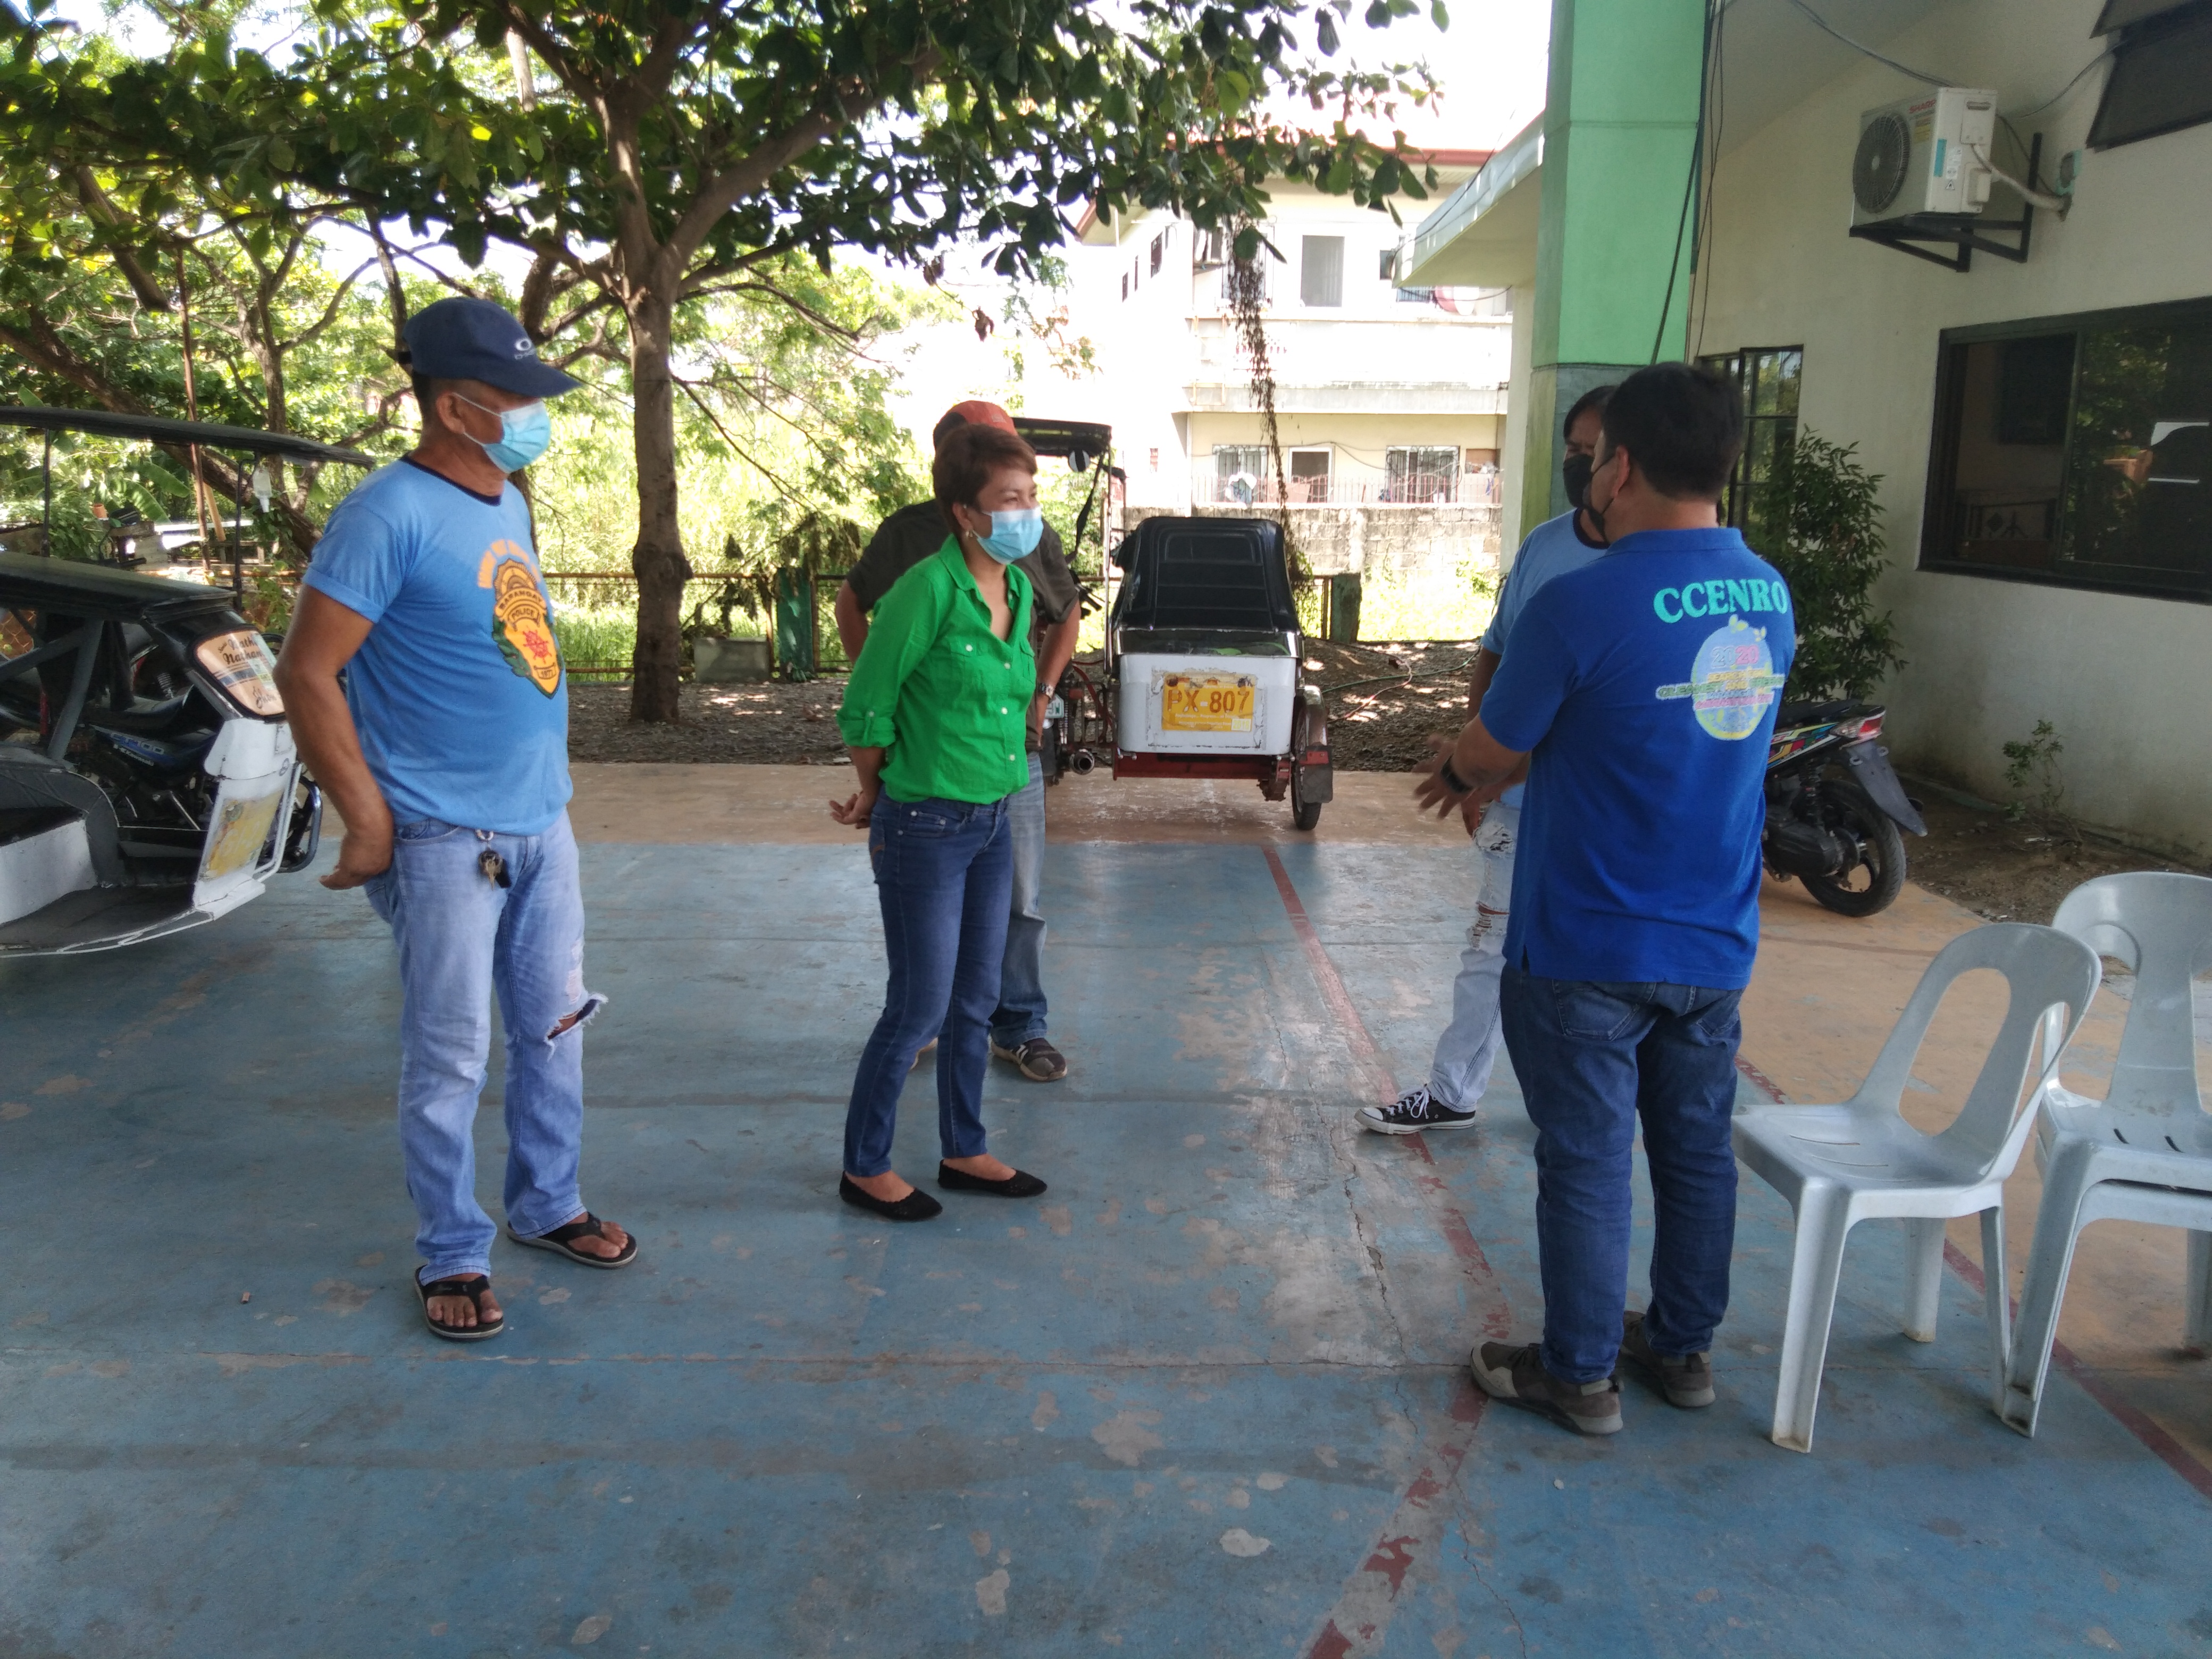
point(1365, 1053)
point(2129, 1416)
point(1359, 1621)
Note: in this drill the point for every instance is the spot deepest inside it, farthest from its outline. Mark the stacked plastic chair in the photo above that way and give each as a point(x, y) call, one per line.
point(1840, 1166)
point(2145, 1153)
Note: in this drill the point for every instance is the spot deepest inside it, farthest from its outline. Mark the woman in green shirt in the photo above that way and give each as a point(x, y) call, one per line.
point(936, 715)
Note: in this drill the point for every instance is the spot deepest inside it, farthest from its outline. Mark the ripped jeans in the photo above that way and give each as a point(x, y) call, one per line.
point(462, 937)
point(1468, 1047)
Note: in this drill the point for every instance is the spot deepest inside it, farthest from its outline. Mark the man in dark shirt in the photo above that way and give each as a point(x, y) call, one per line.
point(901, 542)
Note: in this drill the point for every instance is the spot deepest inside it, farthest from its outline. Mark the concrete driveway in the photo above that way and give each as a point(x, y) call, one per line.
point(1207, 1396)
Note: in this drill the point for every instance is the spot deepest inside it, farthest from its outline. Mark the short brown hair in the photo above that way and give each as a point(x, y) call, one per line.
point(966, 460)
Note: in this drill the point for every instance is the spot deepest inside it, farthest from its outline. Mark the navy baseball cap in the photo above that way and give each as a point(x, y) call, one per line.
point(466, 339)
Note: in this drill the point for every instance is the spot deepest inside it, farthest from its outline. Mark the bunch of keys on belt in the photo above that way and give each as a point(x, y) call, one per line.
point(495, 868)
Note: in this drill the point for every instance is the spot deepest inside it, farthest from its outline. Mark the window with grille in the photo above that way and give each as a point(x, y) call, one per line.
point(1321, 270)
point(1768, 378)
point(2076, 450)
point(1159, 250)
point(1421, 472)
point(1210, 248)
point(1240, 472)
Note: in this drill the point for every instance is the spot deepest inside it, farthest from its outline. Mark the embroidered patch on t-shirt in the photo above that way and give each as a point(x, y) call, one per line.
point(520, 624)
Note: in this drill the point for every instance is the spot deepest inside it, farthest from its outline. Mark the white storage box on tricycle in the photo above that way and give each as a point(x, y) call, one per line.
point(1201, 676)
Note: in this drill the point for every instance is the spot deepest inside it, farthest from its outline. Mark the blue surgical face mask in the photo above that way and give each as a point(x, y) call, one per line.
point(524, 433)
point(1013, 535)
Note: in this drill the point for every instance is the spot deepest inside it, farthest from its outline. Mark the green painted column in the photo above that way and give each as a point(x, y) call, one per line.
point(1620, 119)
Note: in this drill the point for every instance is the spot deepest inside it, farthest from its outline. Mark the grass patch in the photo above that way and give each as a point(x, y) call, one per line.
point(595, 638)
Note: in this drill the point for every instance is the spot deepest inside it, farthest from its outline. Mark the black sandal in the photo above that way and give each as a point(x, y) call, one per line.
point(475, 1287)
point(557, 1241)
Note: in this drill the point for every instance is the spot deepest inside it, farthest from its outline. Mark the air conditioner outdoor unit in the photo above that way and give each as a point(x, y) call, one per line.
point(1924, 154)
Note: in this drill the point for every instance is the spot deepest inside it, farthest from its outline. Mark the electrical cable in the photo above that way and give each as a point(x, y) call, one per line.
point(1689, 189)
point(1828, 28)
point(2079, 76)
point(1709, 208)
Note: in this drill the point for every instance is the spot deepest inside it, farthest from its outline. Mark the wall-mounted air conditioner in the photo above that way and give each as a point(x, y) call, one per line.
point(1925, 154)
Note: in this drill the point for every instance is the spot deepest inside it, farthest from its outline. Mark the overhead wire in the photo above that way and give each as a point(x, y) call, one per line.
point(1709, 206)
point(1689, 191)
point(1828, 28)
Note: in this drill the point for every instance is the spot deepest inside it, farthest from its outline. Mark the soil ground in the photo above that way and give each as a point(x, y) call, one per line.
point(1384, 701)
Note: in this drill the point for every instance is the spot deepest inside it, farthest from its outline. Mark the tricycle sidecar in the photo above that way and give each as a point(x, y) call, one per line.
point(1201, 675)
point(148, 780)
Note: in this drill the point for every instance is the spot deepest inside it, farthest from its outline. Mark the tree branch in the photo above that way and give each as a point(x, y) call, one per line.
point(103, 212)
point(331, 312)
point(684, 387)
point(744, 177)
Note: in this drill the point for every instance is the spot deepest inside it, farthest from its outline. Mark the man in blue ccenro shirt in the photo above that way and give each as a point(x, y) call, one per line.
point(445, 751)
point(1641, 689)
point(1459, 1070)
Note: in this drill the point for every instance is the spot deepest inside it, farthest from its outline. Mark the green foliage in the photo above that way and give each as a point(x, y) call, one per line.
point(2034, 764)
point(655, 153)
point(1831, 554)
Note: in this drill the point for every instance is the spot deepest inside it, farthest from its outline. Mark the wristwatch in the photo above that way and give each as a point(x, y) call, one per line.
point(1453, 782)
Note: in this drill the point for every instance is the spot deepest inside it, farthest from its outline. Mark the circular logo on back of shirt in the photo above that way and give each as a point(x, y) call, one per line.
point(1732, 681)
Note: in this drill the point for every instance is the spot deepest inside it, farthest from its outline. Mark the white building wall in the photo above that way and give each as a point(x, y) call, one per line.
point(1175, 380)
point(2125, 680)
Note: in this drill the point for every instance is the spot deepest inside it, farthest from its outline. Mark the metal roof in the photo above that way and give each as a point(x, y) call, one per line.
point(155, 428)
point(76, 588)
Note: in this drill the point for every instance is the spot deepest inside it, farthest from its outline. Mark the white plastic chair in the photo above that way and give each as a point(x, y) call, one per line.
point(1840, 1166)
point(2145, 1153)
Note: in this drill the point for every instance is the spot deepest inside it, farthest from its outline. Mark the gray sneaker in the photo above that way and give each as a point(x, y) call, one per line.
point(1687, 1380)
point(1515, 1373)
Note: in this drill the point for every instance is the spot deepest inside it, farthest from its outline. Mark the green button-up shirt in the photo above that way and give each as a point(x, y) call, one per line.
point(937, 689)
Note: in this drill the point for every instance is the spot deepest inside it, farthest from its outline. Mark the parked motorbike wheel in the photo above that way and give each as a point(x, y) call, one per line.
point(1874, 883)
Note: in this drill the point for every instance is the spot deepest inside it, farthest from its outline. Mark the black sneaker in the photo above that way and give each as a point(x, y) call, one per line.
point(1413, 1112)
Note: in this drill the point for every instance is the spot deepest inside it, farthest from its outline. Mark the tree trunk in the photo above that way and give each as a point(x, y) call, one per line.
point(658, 558)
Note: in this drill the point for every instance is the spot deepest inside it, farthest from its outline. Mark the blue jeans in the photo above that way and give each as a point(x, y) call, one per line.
point(1591, 1059)
point(1021, 1012)
point(943, 871)
point(462, 939)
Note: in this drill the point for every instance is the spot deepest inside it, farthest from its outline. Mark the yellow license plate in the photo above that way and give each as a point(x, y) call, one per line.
point(1206, 702)
point(241, 830)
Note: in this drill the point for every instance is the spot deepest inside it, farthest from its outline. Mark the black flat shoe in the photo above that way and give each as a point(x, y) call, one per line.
point(1016, 1185)
point(916, 1206)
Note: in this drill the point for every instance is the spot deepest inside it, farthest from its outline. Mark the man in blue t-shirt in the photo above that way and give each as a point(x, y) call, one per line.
point(446, 750)
point(1459, 1070)
point(1641, 689)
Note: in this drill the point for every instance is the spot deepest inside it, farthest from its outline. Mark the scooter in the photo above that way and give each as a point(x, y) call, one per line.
point(1834, 808)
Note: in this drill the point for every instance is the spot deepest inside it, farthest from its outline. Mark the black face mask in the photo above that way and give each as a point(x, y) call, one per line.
point(1576, 470)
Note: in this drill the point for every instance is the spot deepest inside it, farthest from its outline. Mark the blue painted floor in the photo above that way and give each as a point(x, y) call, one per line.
point(1205, 1397)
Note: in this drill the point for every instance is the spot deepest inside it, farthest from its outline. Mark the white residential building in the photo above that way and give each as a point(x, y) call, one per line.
point(1389, 401)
